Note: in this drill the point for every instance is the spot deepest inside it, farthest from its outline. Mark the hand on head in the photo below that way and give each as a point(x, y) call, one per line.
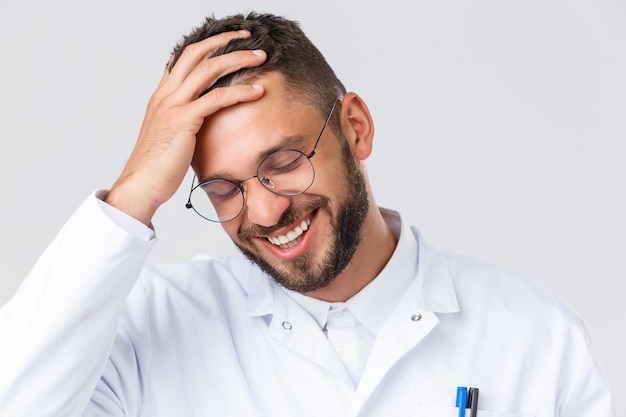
point(175, 114)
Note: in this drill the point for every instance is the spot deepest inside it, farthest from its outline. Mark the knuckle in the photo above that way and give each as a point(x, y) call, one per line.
point(155, 99)
point(192, 49)
point(217, 94)
point(159, 102)
point(207, 65)
point(172, 115)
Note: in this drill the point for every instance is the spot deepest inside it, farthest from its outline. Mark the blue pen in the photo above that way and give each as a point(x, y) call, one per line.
point(461, 400)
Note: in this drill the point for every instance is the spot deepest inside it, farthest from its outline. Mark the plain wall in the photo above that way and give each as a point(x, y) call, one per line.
point(500, 128)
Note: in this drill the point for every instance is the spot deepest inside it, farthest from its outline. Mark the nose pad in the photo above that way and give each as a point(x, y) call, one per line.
point(267, 182)
point(264, 207)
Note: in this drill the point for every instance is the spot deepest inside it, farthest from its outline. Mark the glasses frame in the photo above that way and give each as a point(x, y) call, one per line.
point(239, 184)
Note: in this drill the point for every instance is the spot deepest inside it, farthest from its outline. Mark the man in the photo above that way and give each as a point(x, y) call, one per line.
point(334, 307)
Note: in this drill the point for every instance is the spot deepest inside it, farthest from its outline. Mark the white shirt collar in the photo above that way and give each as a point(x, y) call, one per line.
point(373, 304)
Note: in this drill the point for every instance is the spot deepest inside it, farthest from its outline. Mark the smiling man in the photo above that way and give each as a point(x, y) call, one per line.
point(318, 213)
point(333, 306)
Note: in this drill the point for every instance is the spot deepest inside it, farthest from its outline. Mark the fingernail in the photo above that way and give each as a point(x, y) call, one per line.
point(257, 86)
point(258, 52)
point(244, 32)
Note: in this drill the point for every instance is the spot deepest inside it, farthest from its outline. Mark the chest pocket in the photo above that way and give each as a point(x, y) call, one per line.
point(441, 411)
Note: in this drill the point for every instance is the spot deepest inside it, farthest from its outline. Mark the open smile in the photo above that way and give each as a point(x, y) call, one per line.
point(290, 238)
point(291, 241)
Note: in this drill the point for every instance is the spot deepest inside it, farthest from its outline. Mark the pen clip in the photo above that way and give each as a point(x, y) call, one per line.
point(472, 401)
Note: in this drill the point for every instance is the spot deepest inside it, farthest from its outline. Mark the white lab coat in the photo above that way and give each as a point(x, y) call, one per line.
point(216, 337)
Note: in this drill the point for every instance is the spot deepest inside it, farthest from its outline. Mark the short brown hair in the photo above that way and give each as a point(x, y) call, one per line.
point(289, 52)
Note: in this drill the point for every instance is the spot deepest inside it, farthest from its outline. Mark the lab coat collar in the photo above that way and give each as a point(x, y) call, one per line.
point(409, 322)
point(431, 290)
point(261, 291)
point(434, 282)
point(374, 303)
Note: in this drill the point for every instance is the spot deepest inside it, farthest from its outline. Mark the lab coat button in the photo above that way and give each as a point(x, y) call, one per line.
point(287, 325)
point(341, 350)
point(416, 317)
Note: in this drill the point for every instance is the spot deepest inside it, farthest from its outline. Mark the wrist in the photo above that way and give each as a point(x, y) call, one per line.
point(132, 202)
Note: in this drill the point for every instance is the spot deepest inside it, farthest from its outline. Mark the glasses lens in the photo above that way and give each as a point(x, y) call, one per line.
point(287, 172)
point(217, 200)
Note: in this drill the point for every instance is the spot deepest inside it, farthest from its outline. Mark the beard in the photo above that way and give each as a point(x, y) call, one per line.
point(346, 229)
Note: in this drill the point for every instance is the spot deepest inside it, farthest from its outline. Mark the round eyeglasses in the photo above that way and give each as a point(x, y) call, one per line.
point(286, 172)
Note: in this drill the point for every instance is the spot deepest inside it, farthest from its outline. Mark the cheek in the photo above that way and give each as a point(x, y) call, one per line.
point(331, 175)
point(332, 180)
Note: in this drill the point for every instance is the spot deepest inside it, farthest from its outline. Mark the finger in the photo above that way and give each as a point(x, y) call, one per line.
point(210, 70)
point(166, 72)
point(223, 97)
point(196, 52)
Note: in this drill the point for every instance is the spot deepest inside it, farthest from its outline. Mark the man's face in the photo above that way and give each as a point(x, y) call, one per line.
point(321, 227)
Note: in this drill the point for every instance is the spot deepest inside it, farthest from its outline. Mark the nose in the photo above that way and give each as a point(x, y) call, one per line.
point(263, 207)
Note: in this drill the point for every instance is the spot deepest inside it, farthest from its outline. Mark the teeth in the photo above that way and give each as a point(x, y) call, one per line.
point(291, 235)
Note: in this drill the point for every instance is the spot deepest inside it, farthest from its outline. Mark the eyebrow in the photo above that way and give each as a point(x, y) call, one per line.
point(295, 142)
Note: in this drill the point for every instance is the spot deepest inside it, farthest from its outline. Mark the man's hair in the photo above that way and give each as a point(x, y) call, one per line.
point(304, 70)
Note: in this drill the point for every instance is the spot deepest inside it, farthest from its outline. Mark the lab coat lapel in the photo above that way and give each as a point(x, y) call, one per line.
point(432, 292)
point(293, 327)
point(290, 325)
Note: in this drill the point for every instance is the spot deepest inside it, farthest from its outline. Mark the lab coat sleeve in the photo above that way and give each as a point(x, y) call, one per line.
point(586, 392)
point(57, 331)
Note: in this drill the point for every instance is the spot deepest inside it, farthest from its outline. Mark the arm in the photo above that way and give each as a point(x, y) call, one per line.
point(585, 388)
point(57, 331)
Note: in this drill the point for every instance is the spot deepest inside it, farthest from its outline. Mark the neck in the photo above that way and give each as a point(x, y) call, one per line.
point(374, 251)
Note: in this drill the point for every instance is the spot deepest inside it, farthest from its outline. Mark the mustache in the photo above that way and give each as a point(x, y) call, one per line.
point(289, 216)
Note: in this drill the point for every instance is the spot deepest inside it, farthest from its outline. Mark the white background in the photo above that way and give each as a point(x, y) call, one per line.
point(500, 128)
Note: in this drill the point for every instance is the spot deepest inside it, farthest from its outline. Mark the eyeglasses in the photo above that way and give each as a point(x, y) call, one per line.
point(286, 172)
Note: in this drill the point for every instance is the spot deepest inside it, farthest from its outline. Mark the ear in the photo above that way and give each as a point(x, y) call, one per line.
point(357, 126)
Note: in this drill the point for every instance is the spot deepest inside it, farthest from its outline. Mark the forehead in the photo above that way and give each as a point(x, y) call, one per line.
point(233, 139)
